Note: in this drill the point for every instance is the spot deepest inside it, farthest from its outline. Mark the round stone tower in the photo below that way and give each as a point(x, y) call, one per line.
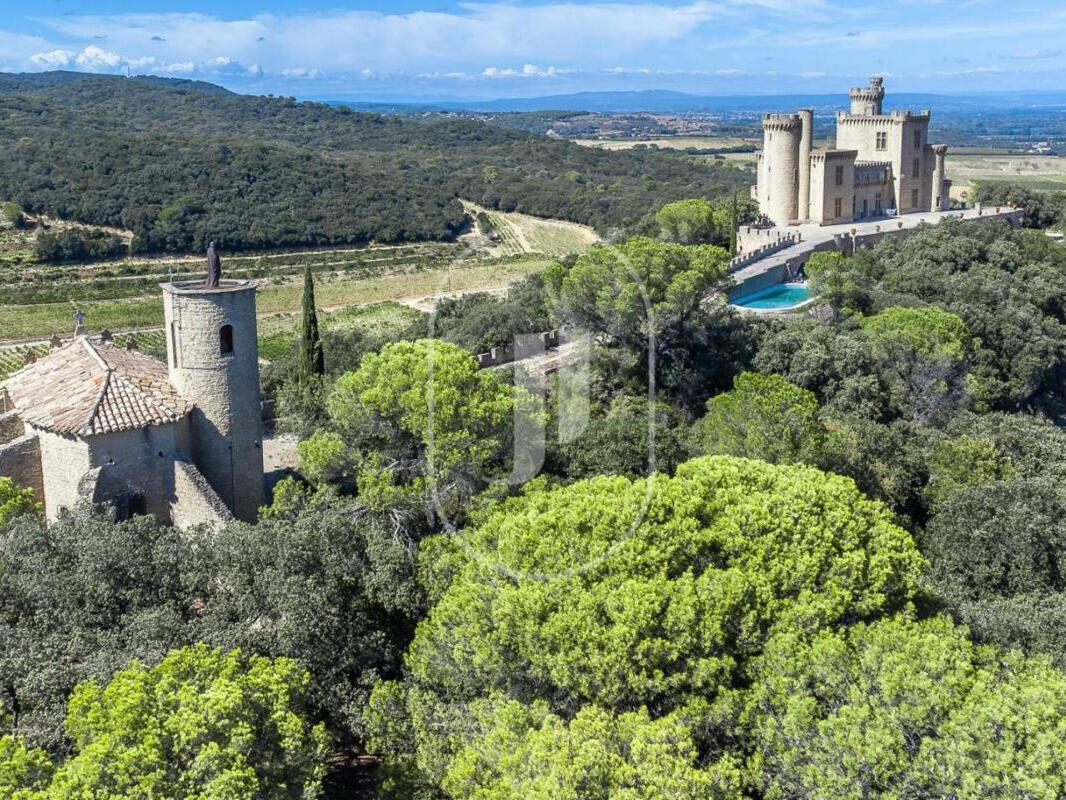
point(781, 149)
point(866, 101)
point(806, 116)
point(213, 358)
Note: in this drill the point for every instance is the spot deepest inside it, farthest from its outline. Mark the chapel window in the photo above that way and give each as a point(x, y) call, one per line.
point(225, 339)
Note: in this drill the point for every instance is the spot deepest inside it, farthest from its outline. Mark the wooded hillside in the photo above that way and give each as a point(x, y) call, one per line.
point(181, 163)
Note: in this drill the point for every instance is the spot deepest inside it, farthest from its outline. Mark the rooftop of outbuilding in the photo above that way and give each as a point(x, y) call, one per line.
point(91, 386)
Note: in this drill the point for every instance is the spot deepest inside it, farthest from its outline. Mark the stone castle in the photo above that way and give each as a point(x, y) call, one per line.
point(93, 422)
point(882, 165)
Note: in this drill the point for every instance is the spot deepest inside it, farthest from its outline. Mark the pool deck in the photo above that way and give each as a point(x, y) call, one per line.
point(784, 264)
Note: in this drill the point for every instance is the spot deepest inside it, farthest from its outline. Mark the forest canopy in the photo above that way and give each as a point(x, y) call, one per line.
point(180, 165)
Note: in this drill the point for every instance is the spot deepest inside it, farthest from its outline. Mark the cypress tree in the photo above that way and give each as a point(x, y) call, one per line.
point(733, 227)
point(312, 361)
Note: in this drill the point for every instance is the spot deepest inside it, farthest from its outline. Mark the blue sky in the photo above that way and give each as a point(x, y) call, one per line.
point(514, 49)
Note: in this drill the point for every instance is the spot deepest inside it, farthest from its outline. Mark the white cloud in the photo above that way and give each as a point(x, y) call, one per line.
point(300, 72)
point(96, 59)
point(527, 71)
point(346, 41)
point(53, 59)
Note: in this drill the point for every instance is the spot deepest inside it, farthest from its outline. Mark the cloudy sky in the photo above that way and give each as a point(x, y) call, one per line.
point(409, 48)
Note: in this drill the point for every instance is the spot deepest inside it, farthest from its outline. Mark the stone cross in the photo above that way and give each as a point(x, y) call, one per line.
point(79, 319)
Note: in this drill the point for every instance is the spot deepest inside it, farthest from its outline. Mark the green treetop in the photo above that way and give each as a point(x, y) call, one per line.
point(200, 724)
point(687, 222)
point(631, 597)
point(764, 417)
point(421, 426)
point(15, 500)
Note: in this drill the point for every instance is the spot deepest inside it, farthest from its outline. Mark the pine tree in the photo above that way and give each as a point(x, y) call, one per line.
point(312, 361)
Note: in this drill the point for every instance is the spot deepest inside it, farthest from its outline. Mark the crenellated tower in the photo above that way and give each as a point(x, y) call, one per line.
point(866, 101)
point(779, 167)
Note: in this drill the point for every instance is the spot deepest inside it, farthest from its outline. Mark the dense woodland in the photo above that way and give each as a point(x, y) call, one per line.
point(822, 559)
point(181, 163)
point(838, 575)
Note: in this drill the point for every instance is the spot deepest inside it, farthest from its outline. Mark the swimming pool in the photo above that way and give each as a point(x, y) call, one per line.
point(775, 298)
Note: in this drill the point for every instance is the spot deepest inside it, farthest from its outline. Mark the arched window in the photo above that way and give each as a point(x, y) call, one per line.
point(225, 339)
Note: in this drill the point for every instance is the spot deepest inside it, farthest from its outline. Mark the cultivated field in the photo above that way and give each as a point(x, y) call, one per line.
point(1036, 172)
point(515, 234)
point(668, 143)
point(39, 300)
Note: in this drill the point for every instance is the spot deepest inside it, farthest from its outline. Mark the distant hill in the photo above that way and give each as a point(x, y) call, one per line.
point(31, 81)
point(669, 102)
point(181, 162)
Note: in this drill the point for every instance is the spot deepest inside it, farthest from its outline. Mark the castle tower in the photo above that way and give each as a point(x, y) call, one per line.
point(866, 100)
point(781, 162)
point(941, 185)
point(213, 362)
point(806, 116)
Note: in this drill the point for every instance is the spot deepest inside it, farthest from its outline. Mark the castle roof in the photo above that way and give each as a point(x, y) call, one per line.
point(91, 386)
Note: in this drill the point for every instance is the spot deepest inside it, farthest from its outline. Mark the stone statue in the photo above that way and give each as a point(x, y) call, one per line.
point(79, 322)
point(214, 268)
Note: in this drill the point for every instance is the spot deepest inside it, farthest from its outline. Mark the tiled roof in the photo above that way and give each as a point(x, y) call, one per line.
point(91, 386)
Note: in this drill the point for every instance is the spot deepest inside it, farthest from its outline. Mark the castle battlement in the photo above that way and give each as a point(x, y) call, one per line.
point(829, 155)
point(786, 122)
point(891, 117)
point(880, 161)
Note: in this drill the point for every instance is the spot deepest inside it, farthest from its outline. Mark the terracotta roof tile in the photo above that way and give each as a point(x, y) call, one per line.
point(91, 386)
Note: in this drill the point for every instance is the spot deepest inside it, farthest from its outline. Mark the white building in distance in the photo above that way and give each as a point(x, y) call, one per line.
point(882, 164)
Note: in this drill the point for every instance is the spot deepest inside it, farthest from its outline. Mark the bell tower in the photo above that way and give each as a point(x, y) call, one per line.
point(213, 361)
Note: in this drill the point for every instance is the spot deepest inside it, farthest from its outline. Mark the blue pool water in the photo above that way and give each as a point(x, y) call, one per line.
point(782, 295)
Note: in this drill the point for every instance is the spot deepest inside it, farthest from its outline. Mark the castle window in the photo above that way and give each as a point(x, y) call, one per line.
point(840, 176)
point(917, 167)
point(877, 202)
point(914, 198)
point(882, 140)
point(225, 339)
point(917, 139)
point(838, 207)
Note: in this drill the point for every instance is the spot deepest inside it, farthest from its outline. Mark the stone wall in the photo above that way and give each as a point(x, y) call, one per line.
point(194, 501)
point(136, 462)
point(825, 191)
point(20, 460)
point(11, 427)
point(505, 354)
point(64, 462)
point(849, 240)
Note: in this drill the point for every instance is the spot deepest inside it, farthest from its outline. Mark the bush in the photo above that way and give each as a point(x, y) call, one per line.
point(78, 244)
point(13, 215)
